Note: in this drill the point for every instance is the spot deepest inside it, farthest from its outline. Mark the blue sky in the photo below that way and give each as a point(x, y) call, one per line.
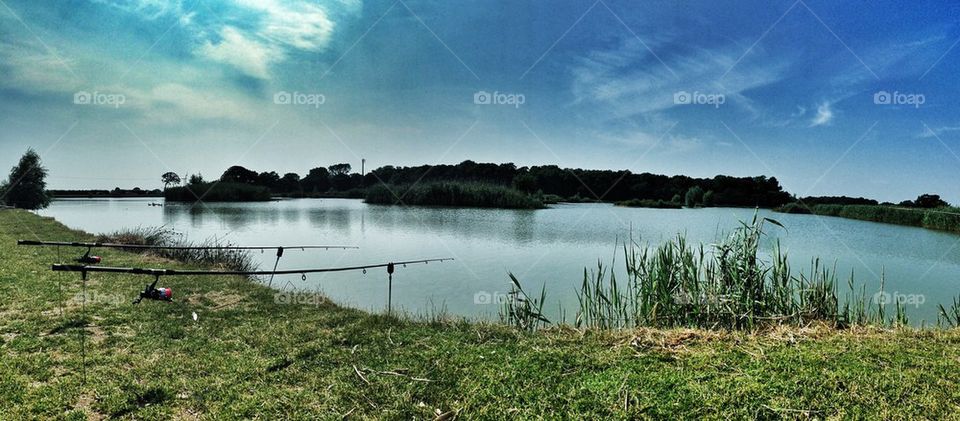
point(793, 89)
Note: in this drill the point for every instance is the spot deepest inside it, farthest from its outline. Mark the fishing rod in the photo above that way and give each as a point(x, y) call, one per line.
point(87, 259)
point(193, 272)
point(154, 247)
point(165, 294)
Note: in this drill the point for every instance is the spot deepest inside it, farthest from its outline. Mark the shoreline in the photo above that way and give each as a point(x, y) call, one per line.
point(248, 355)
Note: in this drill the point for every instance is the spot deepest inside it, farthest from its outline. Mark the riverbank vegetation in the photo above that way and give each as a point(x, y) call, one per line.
point(453, 194)
point(650, 203)
point(941, 217)
point(728, 285)
point(248, 354)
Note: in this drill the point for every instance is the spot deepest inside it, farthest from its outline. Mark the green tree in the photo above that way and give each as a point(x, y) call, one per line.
point(238, 174)
point(196, 179)
point(708, 199)
point(316, 181)
point(170, 178)
point(525, 183)
point(694, 197)
point(26, 187)
point(930, 201)
point(339, 169)
point(290, 183)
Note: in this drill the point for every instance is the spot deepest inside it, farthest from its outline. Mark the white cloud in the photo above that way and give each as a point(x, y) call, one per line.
point(149, 9)
point(241, 52)
point(303, 25)
point(824, 115)
point(172, 103)
point(629, 80)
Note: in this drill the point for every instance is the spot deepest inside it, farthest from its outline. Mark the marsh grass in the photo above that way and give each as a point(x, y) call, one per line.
point(950, 317)
point(453, 194)
point(728, 285)
point(239, 260)
point(944, 219)
point(522, 311)
point(650, 203)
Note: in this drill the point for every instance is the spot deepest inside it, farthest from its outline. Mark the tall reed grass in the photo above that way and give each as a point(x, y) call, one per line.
point(453, 194)
point(944, 219)
point(726, 285)
point(238, 260)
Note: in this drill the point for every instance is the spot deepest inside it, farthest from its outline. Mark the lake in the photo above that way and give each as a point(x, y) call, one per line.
point(541, 247)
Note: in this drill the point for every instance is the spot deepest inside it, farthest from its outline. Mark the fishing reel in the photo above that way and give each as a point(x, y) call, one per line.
point(87, 259)
point(151, 292)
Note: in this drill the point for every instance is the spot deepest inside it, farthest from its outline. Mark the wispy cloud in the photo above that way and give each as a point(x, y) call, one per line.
point(824, 115)
point(627, 80)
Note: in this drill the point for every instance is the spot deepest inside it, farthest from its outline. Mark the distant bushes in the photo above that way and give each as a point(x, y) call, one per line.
point(453, 194)
point(945, 219)
point(218, 192)
point(649, 203)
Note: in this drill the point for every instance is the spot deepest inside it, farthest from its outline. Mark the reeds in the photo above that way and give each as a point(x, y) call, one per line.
point(453, 194)
point(944, 219)
point(238, 260)
point(521, 311)
point(726, 285)
point(649, 203)
point(950, 317)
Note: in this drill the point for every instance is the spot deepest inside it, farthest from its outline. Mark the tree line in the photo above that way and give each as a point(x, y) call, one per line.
point(564, 183)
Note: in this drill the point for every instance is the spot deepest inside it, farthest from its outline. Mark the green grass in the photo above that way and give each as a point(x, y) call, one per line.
point(453, 194)
point(218, 192)
point(944, 219)
point(248, 356)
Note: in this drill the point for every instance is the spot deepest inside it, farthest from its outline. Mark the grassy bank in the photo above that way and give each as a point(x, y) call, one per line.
point(944, 219)
point(249, 355)
point(453, 194)
point(218, 192)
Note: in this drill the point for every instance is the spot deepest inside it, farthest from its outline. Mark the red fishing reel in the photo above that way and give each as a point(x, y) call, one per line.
point(151, 292)
point(87, 259)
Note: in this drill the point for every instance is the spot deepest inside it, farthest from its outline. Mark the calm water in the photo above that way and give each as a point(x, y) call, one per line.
point(550, 246)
